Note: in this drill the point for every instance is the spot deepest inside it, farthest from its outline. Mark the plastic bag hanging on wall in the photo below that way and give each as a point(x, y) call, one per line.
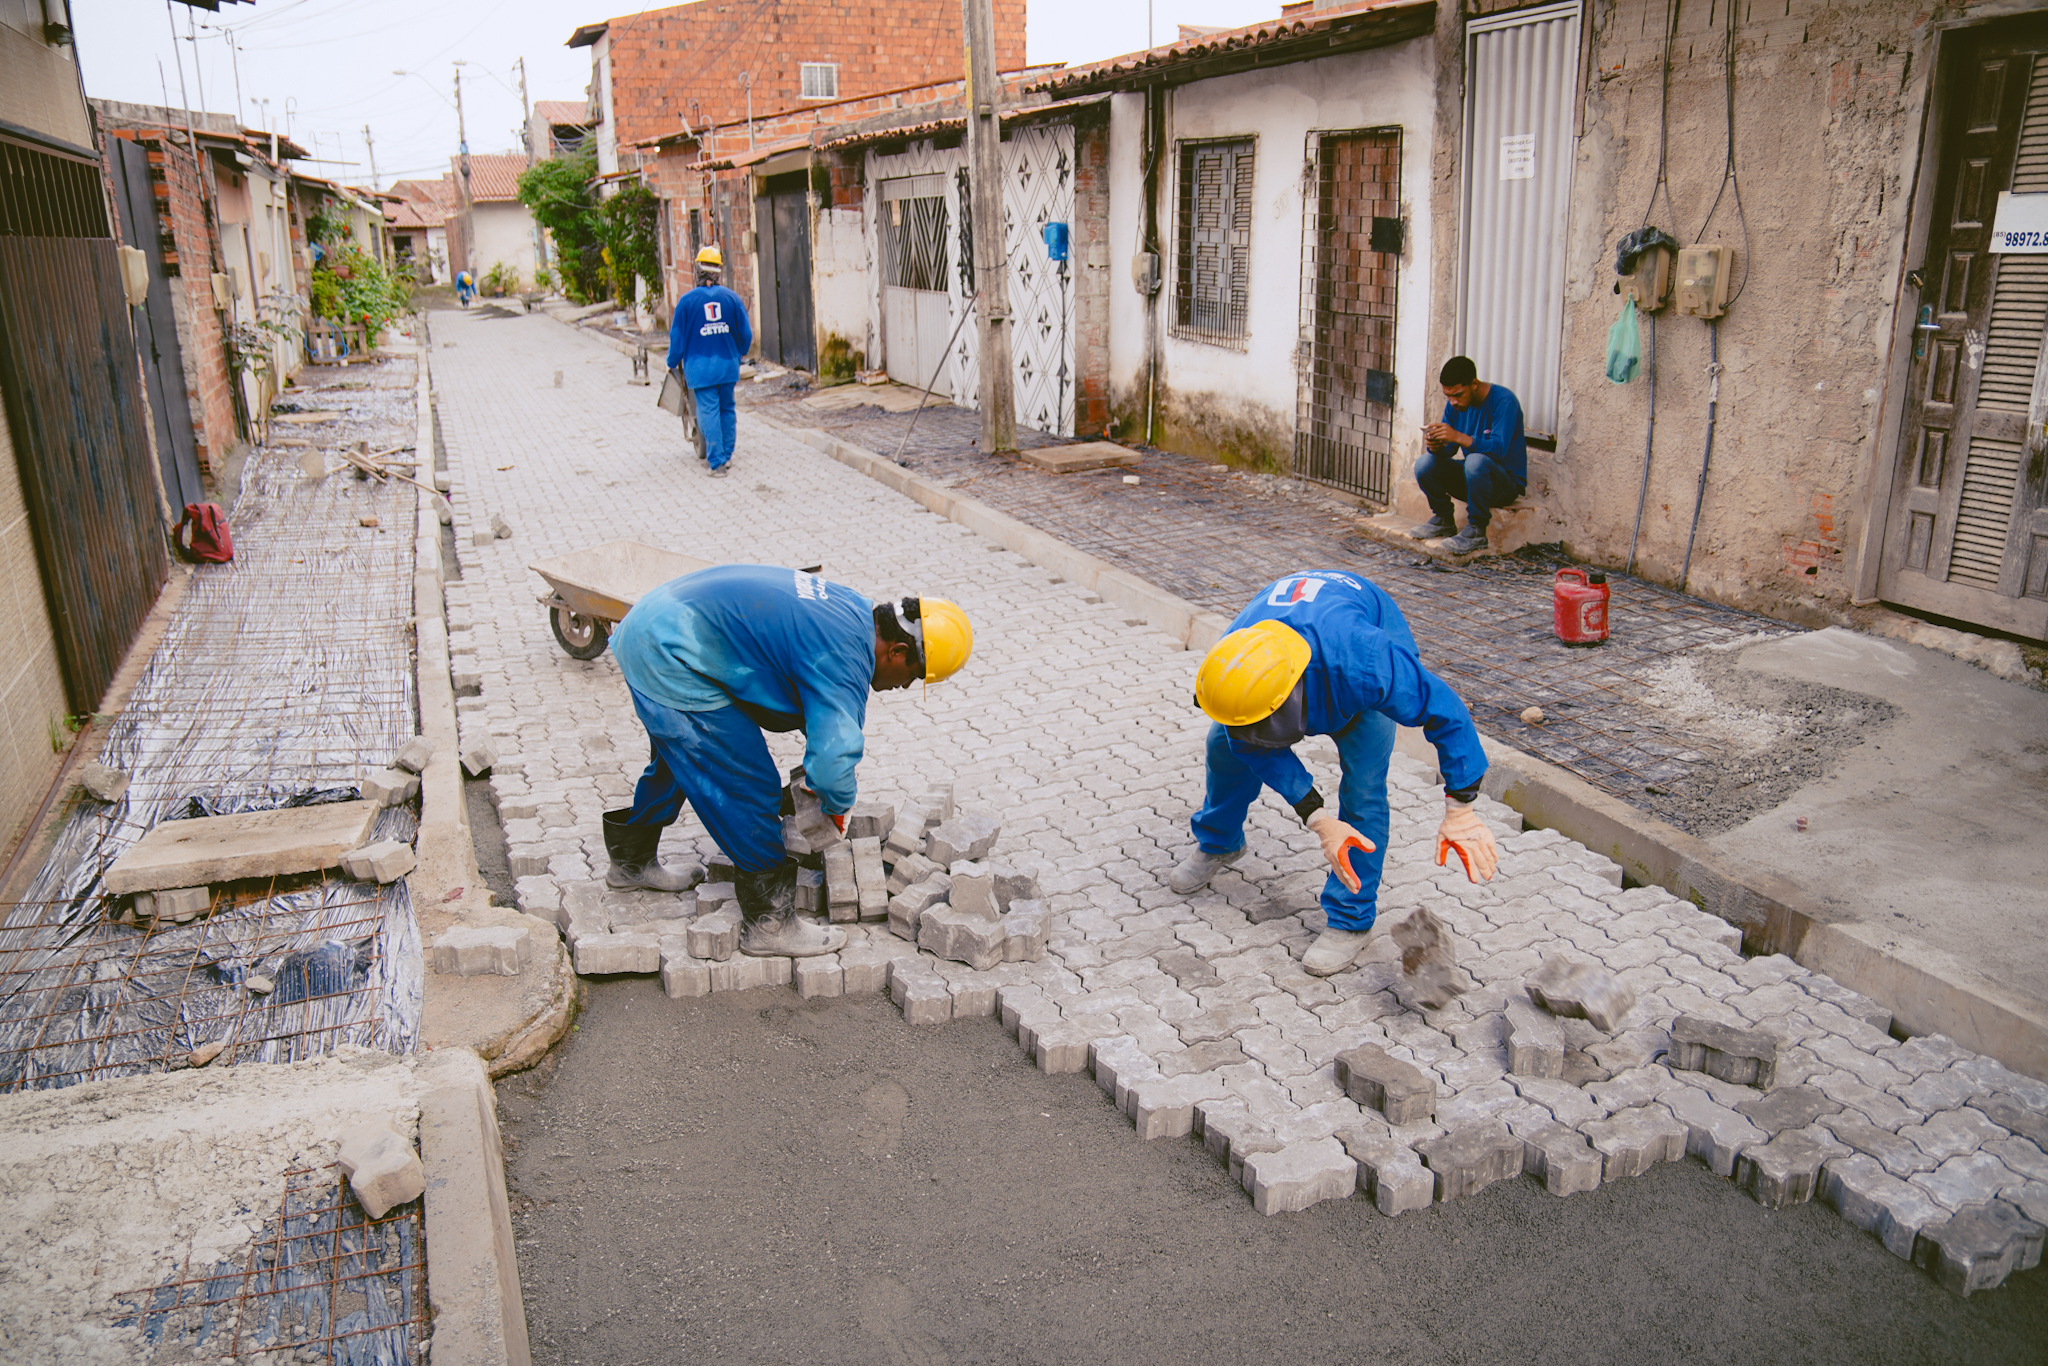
point(1624, 345)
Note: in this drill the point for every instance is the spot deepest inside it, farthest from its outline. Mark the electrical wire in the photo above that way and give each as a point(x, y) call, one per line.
point(1663, 122)
point(1729, 176)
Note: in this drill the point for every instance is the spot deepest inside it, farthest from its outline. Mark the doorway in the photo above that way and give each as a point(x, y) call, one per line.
point(917, 314)
point(782, 223)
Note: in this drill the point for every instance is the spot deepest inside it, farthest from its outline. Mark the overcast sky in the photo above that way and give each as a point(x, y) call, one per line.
point(326, 66)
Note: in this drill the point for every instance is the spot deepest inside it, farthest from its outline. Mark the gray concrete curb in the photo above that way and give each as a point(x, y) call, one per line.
point(1927, 991)
point(472, 1270)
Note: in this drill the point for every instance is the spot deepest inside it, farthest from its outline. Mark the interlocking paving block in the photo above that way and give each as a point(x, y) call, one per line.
point(870, 820)
point(2007, 1113)
point(972, 997)
point(1715, 1134)
point(1117, 1063)
point(383, 1170)
point(1965, 1180)
point(1907, 1210)
point(1063, 1047)
point(176, 904)
point(974, 889)
point(1469, 1159)
point(1584, 991)
point(1024, 929)
point(1389, 1172)
point(936, 804)
point(868, 872)
point(1375, 1079)
point(908, 906)
point(1952, 1133)
point(1784, 1171)
point(866, 964)
point(1561, 1159)
point(842, 892)
point(1535, 1043)
point(1164, 1107)
point(1789, 1107)
point(924, 998)
point(910, 870)
point(1300, 1175)
point(683, 976)
point(961, 936)
point(479, 759)
point(714, 936)
point(388, 788)
point(908, 835)
point(1429, 962)
point(384, 861)
point(1013, 885)
point(1979, 1247)
point(601, 954)
point(106, 784)
point(1936, 1091)
point(1747, 1057)
point(1632, 1141)
point(968, 836)
point(741, 973)
point(2022, 1155)
point(416, 754)
point(819, 977)
point(300, 839)
point(478, 951)
point(1857, 1187)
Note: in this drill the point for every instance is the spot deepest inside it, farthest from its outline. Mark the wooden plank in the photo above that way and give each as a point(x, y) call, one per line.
point(196, 853)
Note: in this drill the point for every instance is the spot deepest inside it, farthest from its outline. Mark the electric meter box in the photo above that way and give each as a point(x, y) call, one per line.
point(1649, 284)
point(1703, 280)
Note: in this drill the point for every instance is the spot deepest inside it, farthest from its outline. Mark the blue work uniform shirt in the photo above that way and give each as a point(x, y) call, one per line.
point(777, 640)
point(1495, 426)
point(1363, 659)
point(708, 335)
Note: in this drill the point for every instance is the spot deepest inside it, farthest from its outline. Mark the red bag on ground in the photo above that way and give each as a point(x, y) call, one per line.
point(203, 534)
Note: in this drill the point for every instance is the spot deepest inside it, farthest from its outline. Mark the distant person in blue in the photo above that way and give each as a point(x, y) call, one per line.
point(1477, 455)
point(715, 658)
point(707, 337)
point(465, 288)
point(1328, 653)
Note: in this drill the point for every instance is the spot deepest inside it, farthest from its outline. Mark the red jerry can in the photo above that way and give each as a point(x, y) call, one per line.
point(1579, 607)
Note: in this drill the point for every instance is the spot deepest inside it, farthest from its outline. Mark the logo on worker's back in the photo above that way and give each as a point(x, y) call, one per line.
point(1303, 589)
point(810, 587)
point(714, 312)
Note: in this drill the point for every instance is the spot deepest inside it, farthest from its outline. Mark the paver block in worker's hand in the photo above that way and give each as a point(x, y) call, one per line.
point(106, 784)
point(1535, 1043)
point(382, 1169)
point(714, 936)
point(389, 787)
point(384, 861)
point(967, 836)
point(1399, 1090)
point(1428, 960)
point(1746, 1057)
point(1024, 931)
point(974, 889)
point(819, 977)
point(962, 936)
point(479, 759)
point(1471, 1158)
point(477, 951)
point(1585, 991)
point(1084, 455)
point(1632, 1141)
point(416, 754)
point(683, 976)
point(842, 892)
point(909, 870)
point(1561, 1159)
point(1979, 1247)
point(300, 839)
point(908, 906)
point(603, 954)
point(1300, 1175)
point(1389, 1172)
point(870, 820)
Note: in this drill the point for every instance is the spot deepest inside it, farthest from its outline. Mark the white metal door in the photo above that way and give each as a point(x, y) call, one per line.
point(913, 235)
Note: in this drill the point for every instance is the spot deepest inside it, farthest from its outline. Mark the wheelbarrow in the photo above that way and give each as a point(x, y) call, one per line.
point(679, 398)
point(591, 590)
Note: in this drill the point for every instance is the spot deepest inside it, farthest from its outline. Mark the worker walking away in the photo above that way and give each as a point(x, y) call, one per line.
point(1328, 653)
point(707, 337)
point(714, 659)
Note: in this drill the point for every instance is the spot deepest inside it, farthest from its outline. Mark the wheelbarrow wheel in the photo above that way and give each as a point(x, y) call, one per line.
point(580, 637)
point(693, 431)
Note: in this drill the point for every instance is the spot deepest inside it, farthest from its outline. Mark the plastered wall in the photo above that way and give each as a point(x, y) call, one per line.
point(31, 686)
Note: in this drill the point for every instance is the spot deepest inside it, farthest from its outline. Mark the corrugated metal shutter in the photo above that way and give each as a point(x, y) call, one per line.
point(1521, 77)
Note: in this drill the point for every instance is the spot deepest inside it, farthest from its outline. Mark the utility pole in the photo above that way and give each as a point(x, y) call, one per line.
point(991, 258)
point(371, 147)
point(540, 239)
point(462, 219)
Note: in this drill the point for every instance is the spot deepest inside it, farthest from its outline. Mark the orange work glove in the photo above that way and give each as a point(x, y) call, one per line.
point(1338, 840)
point(839, 821)
point(1463, 831)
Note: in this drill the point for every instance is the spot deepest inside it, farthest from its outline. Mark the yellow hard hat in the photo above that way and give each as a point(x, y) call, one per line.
point(948, 638)
point(1250, 672)
point(711, 256)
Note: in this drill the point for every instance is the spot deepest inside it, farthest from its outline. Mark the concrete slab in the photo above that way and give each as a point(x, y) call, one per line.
point(1088, 455)
point(211, 849)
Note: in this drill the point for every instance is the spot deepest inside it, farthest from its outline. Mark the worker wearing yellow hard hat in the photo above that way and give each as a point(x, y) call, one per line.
point(714, 659)
point(707, 338)
point(1328, 653)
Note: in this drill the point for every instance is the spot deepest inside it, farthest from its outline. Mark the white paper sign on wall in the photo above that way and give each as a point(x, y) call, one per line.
point(2020, 227)
point(1518, 156)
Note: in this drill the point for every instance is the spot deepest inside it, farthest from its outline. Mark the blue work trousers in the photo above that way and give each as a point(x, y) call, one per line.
point(1366, 746)
point(719, 763)
point(1477, 481)
point(715, 416)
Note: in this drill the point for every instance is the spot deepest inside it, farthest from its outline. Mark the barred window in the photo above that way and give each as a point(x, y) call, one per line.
point(1212, 276)
point(821, 80)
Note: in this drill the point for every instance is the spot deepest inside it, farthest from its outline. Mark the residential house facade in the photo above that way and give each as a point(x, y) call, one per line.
point(419, 217)
point(490, 226)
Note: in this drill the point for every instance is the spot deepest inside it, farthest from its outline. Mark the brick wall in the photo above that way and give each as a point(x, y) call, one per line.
point(1091, 256)
point(663, 60)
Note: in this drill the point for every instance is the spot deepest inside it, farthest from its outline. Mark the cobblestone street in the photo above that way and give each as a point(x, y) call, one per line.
point(1073, 727)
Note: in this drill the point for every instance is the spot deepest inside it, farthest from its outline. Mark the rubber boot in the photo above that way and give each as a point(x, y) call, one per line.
point(772, 928)
point(1193, 873)
point(634, 860)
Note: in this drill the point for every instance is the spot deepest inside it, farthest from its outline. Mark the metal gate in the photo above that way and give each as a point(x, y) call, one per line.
point(75, 407)
point(1344, 432)
point(783, 234)
point(156, 326)
point(917, 308)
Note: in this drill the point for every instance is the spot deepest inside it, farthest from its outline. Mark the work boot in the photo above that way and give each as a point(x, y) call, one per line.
point(634, 860)
point(1192, 873)
point(772, 928)
point(1435, 529)
point(1470, 541)
point(1333, 951)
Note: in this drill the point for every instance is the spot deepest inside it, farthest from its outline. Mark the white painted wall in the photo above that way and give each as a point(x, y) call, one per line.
point(1381, 88)
point(842, 284)
point(504, 232)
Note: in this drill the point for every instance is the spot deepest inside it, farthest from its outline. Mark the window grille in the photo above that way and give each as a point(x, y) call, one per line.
point(914, 242)
point(49, 194)
point(1212, 278)
point(821, 80)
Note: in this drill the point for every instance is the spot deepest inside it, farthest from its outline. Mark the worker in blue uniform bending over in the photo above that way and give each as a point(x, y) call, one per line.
point(1478, 455)
point(1328, 653)
point(715, 658)
point(707, 337)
